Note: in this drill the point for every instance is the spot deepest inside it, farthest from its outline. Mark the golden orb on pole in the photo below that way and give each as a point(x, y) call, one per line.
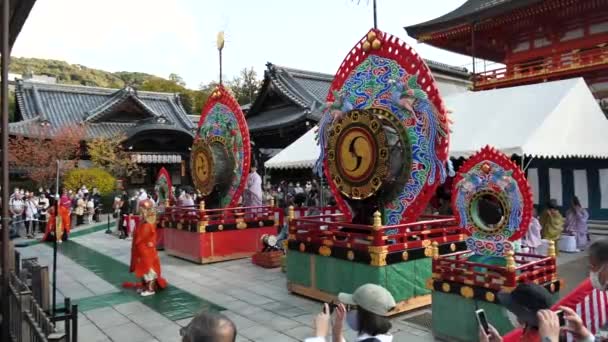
point(220, 40)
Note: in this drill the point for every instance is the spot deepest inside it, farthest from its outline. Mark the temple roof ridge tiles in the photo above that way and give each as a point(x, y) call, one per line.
point(59, 105)
point(470, 11)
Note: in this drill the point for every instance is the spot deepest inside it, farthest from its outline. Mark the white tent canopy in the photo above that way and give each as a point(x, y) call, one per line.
point(558, 119)
point(301, 154)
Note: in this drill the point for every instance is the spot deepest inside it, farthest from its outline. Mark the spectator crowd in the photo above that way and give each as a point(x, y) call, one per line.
point(29, 210)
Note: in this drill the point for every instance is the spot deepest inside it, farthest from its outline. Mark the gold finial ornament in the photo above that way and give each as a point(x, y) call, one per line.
point(371, 36)
point(291, 213)
point(202, 206)
point(366, 46)
point(272, 202)
point(376, 44)
point(377, 221)
point(510, 259)
point(435, 250)
point(220, 40)
point(551, 249)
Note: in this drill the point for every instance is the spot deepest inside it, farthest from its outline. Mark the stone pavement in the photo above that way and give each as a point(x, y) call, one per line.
point(256, 299)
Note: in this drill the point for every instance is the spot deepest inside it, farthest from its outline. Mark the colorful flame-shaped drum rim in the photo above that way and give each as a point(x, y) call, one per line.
point(222, 117)
point(491, 172)
point(370, 77)
point(163, 184)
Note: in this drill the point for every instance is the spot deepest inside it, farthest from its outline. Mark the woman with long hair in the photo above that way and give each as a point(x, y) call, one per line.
point(576, 223)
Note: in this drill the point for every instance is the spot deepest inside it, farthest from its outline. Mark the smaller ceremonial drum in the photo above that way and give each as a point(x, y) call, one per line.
point(493, 204)
point(220, 163)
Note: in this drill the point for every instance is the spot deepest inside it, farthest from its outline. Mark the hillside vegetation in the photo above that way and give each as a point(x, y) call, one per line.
point(244, 86)
point(78, 74)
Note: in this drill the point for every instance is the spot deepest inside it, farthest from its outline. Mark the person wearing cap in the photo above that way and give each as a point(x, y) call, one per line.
point(371, 304)
point(528, 307)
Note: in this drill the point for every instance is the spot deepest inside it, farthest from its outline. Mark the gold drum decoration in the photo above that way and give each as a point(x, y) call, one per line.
point(367, 149)
point(467, 292)
point(212, 165)
point(325, 251)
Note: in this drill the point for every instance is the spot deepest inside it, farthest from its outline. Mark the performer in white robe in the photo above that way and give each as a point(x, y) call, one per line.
point(252, 196)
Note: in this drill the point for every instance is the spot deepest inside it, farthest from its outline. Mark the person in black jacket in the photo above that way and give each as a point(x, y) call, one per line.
point(125, 209)
point(97, 204)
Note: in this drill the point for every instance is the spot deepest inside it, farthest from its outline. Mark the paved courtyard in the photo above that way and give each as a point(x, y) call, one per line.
point(92, 266)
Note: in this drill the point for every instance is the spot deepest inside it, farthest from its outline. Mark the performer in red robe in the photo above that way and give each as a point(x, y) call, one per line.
point(145, 262)
point(65, 204)
point(55, 226)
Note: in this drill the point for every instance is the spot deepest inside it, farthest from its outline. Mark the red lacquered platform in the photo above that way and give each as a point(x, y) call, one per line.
point(211, 235)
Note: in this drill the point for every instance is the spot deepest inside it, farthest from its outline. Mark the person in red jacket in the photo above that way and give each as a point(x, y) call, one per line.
point(145, 262)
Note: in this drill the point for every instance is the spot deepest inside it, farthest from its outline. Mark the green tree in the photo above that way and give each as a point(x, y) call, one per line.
point(199, 97)
point(91, 178)
point(177, 79)
point(245, 86)
point(162, 85)
point(109, 154)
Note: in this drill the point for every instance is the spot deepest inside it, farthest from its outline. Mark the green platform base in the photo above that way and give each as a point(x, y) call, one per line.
point(454, 317)
point(322, 278)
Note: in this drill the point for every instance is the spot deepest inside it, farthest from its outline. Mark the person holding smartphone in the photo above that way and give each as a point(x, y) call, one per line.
point(528, 307)
point(369, 319)
point(522, 306)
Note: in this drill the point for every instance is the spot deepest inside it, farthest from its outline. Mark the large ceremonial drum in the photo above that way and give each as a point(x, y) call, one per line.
point(383, 140)
point(384, 134)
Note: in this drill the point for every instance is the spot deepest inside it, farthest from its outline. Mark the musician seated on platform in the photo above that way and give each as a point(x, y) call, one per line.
point(209, 327)
point(365, 311)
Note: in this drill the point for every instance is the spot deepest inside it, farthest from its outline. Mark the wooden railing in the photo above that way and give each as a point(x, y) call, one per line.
point(30, 319)
point(331, 229)
point(519, 268)
point(199, 214)
point(560, 64)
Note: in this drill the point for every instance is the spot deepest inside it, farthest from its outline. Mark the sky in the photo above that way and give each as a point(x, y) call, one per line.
point(161, 37)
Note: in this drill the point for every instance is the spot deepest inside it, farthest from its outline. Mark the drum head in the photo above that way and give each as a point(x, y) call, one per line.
point(202, 164)
point(358, 155)
point(368, 154)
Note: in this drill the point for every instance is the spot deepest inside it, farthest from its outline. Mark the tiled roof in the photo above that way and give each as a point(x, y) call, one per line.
point(276, 118)
point(472, 10)
point(306, 90)
point(301, 86)
point(62, 105)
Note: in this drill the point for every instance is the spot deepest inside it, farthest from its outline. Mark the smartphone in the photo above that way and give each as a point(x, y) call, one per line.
point(560, 316)
point(332, 307)
point(482, 320)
